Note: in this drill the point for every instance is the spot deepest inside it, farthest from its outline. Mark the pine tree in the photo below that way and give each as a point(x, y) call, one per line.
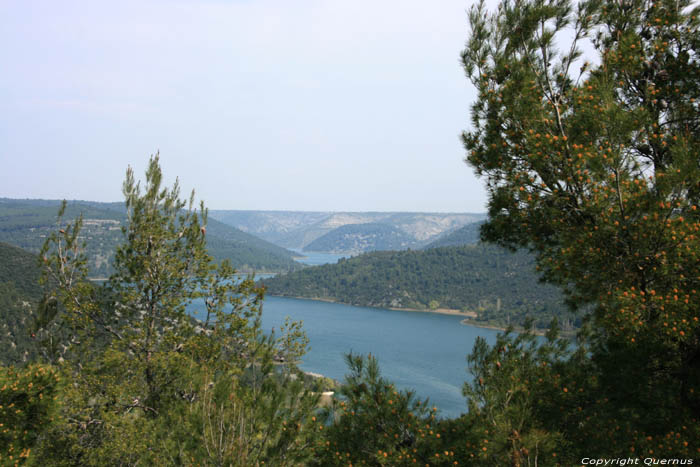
point(374, 423)
point(593, 165)
point(151, 384)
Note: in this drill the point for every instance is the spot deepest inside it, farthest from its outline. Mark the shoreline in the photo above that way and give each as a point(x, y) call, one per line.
point(441, 311)
point(518, 329)
point(467, 321)
point(477, 324)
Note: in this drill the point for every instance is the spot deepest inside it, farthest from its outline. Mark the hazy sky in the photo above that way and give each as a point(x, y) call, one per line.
point(258, 104)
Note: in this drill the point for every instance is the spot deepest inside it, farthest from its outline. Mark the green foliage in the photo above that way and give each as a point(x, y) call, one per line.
point(501, 287)
point(593, 167)
point(16, 316)
point(517, 387)
point(374, 423)
point(549, 399)
point(20, 268)
point(233, 425)
point(150, 383)
point(27, 407)
point(20, 293)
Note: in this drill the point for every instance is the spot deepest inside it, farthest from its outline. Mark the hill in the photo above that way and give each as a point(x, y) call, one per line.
point(284, 228)
point(299, 229)
point(467, 235)
point(356, 238)
point(245, 251)
point(19, 295)
point(501, 287)
point(25, 223)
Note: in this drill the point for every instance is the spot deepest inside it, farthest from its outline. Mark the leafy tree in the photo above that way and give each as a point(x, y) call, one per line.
point(151, 383)
point(593, 165)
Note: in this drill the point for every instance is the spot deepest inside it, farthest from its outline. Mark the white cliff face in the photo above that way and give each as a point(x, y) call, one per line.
point(425, 227)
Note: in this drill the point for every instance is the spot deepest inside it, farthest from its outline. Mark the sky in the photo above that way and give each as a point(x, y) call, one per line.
point(256, 104)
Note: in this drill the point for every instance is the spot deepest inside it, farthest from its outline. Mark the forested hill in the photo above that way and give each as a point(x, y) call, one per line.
point(501, 287)
point(245, 251)
point(19, 295)
point(467, 235)
point(25, 223)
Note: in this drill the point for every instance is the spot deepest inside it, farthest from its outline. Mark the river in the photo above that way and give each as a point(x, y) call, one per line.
point(425, 352)
point(421, 351)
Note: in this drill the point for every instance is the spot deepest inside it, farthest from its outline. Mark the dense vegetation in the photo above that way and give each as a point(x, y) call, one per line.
point(148, 384)
point(593, 166)
point(467, 235)
point(21, 269)
point(26, 223)
point(247, 252)
point(20, 294)
point(357, 238)
point(596, 175)
point(501, 287)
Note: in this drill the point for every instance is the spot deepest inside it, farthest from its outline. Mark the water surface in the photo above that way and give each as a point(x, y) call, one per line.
point(421, 351)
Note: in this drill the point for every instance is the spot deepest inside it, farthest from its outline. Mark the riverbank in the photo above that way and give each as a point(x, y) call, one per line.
point(495, 327)
point(442, 311)
point(518, 329)
point(469, 316)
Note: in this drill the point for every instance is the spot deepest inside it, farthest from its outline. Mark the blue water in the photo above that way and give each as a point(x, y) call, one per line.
point(421, 351)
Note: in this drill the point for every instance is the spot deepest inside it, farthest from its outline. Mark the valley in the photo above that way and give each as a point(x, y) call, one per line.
point(346, 232)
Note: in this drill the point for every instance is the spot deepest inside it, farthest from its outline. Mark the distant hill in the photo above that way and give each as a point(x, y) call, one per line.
point(356, 238)
point(19, 295)
point(284, 228)
point(299, 229)
point(467, 235)
point(247, 252)
point(501, 287)
point(25, 223)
